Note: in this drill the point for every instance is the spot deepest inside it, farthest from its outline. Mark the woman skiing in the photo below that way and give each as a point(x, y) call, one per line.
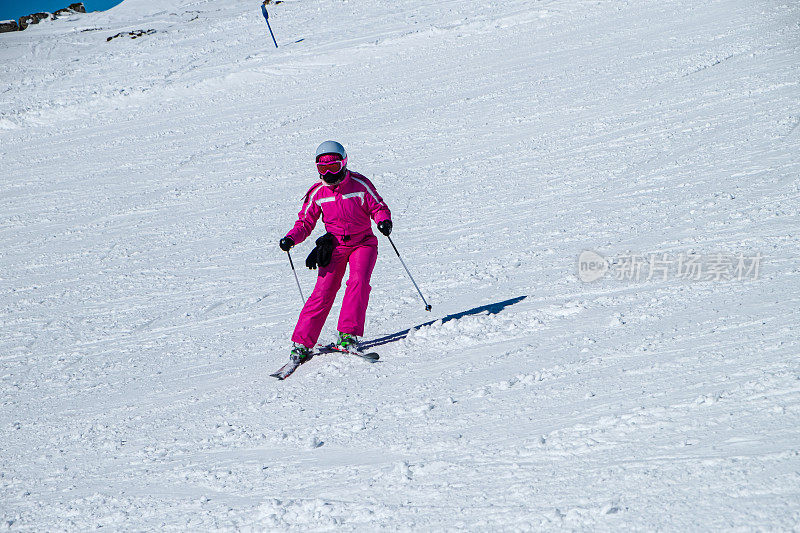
point(347, 201)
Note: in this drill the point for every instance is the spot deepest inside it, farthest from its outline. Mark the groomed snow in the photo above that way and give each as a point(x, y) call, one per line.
point(144, 184)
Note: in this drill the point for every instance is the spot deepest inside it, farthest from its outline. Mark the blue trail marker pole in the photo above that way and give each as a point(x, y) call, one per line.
point(266, 17)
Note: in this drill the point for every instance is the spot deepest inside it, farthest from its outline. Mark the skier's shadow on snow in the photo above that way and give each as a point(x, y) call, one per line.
point(491, 309)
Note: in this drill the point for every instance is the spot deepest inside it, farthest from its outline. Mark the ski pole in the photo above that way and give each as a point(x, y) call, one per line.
point(427, 305)
point(295, 277)
point(266, 17)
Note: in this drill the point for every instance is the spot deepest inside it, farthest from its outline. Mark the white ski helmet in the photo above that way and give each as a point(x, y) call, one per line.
point(330, 147)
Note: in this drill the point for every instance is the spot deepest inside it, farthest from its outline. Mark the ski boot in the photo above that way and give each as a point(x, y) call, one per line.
point(299, 353)
point(347, 342)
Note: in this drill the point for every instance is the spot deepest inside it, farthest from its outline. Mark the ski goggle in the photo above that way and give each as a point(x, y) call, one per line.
point(331, 167)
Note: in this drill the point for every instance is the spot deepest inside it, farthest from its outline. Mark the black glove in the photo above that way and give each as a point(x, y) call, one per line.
point(286, 244)
point(385, 227)
point(321, 254)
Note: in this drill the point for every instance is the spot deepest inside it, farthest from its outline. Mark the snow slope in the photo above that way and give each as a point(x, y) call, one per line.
point(143, 299)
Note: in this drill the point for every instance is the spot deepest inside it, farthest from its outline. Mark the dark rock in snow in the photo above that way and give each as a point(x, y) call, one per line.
point(33, 18)
point(71, 10)
point(132, 34)
point(8, 25)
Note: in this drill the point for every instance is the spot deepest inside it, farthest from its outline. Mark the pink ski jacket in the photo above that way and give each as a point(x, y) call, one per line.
point(346, 209)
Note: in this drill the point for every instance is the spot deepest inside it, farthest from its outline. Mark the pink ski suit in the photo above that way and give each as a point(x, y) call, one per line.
point(346, 210)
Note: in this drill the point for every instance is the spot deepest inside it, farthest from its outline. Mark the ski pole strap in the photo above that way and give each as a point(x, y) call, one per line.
point(296, 278)
point(427, 305)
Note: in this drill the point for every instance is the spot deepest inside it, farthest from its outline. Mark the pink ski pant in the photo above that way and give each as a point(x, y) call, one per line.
point(361, 257)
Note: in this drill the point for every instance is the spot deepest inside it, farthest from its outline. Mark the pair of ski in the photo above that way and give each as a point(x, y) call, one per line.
point(286, 370)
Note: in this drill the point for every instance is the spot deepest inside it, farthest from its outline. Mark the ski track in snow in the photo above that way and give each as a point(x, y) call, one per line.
point(144, 301)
